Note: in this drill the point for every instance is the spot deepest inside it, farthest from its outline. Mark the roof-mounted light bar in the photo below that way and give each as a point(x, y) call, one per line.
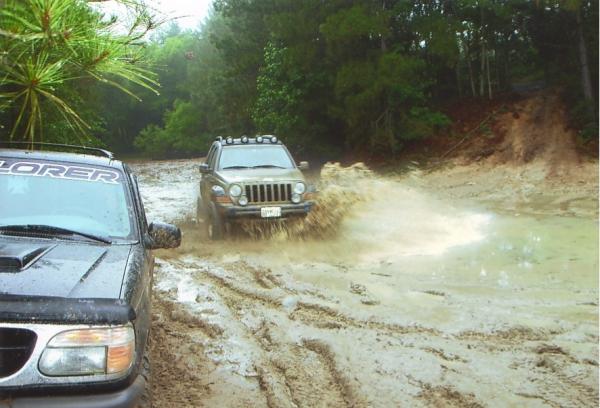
point(244, 139)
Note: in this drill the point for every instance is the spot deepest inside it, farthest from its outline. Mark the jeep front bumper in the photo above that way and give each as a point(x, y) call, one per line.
point(232, 211)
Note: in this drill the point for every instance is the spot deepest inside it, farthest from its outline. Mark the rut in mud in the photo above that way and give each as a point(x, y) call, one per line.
point(433, 301)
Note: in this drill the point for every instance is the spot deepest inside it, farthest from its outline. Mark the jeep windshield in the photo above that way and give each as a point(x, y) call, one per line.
point(255, 157)
point(64, 200)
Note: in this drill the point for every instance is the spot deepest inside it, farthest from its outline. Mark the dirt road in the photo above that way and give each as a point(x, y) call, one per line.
point(464, 286)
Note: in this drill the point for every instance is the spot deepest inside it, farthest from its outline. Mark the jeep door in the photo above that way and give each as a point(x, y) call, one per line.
point(207, 180)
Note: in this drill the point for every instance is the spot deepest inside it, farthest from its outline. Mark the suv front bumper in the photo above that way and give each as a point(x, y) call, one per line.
point(125, 398)
point(253, 211)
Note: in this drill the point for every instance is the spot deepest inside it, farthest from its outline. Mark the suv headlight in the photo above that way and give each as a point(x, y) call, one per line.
point(300, 188)
point(235, 190)
point(106, 350)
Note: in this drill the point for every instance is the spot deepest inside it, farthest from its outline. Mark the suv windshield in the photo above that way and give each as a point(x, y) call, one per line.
point(255, 156)
point(85, 199)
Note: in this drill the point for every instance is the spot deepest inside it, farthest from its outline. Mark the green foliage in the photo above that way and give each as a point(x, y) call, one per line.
point(180, 135)
point(52, 48)
point(275, 110)
point(363, 75)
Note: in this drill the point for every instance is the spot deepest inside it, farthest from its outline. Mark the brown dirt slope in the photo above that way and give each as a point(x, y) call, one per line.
point(536, 129)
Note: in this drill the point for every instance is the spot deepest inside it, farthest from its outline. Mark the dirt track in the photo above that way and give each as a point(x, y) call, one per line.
point(466, 285)
point(456, 303)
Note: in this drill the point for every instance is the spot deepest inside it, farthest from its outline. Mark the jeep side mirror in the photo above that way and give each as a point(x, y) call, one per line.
point(303, 165)
point(164, 235)
point(203, 168)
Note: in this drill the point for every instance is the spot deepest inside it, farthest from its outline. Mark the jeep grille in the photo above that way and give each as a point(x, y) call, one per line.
point(268, 193)
point(16, 346)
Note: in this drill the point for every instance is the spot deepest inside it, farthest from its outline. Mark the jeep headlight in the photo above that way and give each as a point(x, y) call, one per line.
point(106, 350)
point(300, 188)
point(235, 190)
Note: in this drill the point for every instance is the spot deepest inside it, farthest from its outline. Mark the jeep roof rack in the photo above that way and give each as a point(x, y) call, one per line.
point(94, 150)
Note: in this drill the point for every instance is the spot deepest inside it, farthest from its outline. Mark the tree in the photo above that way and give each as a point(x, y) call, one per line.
point(53, 50)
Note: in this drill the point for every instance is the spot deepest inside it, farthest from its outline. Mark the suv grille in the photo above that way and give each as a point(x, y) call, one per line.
point(16, 346)
point(268, 193)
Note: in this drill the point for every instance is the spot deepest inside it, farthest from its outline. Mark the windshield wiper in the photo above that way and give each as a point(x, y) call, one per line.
point(236, 167)
point(267, 166)
point(49, 229)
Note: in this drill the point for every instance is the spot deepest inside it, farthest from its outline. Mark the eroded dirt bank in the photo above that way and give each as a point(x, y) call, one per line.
point(465, 286)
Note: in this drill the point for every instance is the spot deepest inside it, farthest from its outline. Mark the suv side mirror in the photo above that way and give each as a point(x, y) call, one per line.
point(303, 165)
point(203, 168)
point(164, 235)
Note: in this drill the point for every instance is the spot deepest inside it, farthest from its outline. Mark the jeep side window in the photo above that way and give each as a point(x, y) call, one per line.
point(211, 154)
point(213, 159)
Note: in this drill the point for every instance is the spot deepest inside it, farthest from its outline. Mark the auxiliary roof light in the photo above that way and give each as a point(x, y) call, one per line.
point(273, 139)
point(229, 140)
point(244, 139)
point(259, 139)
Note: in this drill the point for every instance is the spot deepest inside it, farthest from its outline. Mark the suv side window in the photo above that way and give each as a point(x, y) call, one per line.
point(137, 199)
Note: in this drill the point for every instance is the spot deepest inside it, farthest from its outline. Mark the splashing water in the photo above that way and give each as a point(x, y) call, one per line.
point(340, 189)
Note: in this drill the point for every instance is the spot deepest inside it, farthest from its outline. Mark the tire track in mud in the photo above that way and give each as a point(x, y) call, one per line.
point(314, 314)
point(276, 376)
point(291, 373)
point(324, 351)
point(326, 317)
point(552, 363)
point(177, 380)
point(303, 372)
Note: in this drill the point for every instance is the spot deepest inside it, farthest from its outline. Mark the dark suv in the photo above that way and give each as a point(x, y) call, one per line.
point(251, 178)
point(75, 280)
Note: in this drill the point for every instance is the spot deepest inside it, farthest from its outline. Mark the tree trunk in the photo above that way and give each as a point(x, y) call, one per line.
point(471, 77)
point(458, 80)
point(481, 56)
point(482, 70)
point(487, 63)
point(383, 42)
point(583, 59)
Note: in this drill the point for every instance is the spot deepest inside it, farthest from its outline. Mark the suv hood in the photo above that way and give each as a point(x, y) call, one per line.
point(61, 268)
point(260, 175)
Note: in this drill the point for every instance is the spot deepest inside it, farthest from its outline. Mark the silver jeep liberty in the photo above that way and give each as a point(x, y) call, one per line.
point(250, 178)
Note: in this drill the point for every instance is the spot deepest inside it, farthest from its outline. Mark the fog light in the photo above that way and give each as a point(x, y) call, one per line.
point(296, 198)
point(243, 200)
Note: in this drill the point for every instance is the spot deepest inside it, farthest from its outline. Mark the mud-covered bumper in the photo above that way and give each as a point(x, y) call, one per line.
point(254, 211)
point(125, 398)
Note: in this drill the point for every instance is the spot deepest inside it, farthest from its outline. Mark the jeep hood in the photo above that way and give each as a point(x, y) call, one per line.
point(260, 175)
point(67, 269)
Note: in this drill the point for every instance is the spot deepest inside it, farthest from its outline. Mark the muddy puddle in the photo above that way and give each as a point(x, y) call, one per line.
point(429, 292)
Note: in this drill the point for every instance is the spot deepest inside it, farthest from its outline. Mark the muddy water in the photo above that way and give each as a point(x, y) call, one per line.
point(417, 299)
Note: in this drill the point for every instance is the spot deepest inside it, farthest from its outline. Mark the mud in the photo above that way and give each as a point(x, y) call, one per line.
point(466, 286)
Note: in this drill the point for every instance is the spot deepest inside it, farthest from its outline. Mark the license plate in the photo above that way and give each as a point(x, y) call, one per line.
point(270, 212)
